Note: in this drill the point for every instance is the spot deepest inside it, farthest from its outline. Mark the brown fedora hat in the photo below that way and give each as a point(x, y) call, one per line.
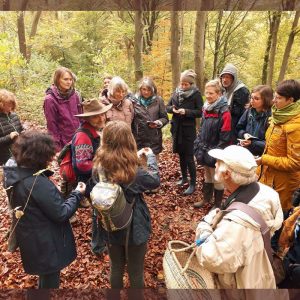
point(93, 107)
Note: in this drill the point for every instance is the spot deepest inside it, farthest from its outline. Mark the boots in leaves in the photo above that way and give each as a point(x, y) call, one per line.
point(182, 181)
point(218, 198)
point(191, 189)
point(207, 190)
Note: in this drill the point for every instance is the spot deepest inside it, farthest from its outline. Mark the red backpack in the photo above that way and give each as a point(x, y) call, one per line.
point(65, 158)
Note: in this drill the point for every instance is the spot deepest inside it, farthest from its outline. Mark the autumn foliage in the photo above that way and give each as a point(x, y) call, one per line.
point(173, 217)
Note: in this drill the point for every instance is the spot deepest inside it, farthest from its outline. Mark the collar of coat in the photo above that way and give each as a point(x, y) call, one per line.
point(244, 194)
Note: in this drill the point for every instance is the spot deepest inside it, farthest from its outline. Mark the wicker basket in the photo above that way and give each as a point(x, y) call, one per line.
point(183, 271)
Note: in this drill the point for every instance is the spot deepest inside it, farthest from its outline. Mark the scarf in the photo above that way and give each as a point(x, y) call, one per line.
point(281, 116)
point(65, 95)
point(146, 102)
point(184, 94)
point(212, 106)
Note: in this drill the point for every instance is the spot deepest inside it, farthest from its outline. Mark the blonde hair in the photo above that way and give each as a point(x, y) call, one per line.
point(7, 97)
point(117, 155)
point(215, 83)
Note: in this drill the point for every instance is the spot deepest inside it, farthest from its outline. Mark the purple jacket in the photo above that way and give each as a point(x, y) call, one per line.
point(59, 113)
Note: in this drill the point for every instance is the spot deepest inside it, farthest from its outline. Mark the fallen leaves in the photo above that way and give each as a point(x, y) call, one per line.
point(173, 218)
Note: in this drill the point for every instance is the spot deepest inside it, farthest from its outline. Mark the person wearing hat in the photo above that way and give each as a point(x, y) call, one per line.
point(185, 105)
point(84, 146)
point(230, 244)
point(237, 95)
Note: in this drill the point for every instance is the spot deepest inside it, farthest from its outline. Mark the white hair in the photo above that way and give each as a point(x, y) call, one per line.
point(236, 177)
point(117, 83)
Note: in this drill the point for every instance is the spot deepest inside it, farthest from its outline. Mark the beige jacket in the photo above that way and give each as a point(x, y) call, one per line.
point(121, 112)
point(235, 250)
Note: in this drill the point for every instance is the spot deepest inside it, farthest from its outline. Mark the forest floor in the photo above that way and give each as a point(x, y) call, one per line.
point(173, 218)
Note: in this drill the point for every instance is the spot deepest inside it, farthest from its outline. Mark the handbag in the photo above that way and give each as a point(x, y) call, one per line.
point(16, 214)
point(182, 269)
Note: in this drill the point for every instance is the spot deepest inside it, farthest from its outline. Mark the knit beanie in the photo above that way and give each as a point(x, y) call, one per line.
point(188, 76)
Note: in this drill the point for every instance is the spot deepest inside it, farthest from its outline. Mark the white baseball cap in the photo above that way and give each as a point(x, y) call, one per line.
point(239, 159)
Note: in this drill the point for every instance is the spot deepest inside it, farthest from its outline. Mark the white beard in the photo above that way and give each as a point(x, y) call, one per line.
point(219, 177)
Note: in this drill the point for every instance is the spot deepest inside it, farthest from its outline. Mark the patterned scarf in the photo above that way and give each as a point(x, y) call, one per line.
point(65, 95)
point(184, 94)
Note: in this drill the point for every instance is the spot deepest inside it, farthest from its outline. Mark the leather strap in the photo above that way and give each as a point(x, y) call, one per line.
point(264, 229)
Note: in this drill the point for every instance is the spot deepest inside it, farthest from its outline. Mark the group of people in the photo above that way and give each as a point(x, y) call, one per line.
point(120, 133)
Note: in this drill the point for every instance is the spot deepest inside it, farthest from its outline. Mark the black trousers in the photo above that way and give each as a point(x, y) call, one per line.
point(49, 281)
point(187, 162)
point(135, 265)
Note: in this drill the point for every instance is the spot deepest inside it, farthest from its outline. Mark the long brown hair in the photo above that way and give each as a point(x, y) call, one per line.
point(117, 155)
point(266, 94)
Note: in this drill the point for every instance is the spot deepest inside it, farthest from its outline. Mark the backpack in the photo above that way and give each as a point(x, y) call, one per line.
point(64, 159)
point(110, 202)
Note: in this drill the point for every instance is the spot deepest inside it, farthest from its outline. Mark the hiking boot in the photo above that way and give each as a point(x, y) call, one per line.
point(182, 181)
point(199, 204)
point(190, 190)
point(207, 191)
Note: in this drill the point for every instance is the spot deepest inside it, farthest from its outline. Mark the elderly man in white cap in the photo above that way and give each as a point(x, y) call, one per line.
point(230, 242)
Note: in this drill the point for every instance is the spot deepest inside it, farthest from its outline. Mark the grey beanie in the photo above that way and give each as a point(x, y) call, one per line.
point(188, 76)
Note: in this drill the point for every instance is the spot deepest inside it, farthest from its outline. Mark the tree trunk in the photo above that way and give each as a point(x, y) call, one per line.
point(21, 34)
point(175, 43)
point(33, 31)
point(288, 47)
point(138, 42)
point(276, 21)
point(199, 47)
point(267, 52)
point(217, 43)
point(149, 19)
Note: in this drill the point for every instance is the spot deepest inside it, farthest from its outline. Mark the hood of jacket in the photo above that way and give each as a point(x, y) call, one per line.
point(13, 175)
point(232, 70)
point(54, 91)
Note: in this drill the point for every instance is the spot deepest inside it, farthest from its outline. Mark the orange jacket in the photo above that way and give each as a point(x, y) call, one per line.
point(281, 160)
